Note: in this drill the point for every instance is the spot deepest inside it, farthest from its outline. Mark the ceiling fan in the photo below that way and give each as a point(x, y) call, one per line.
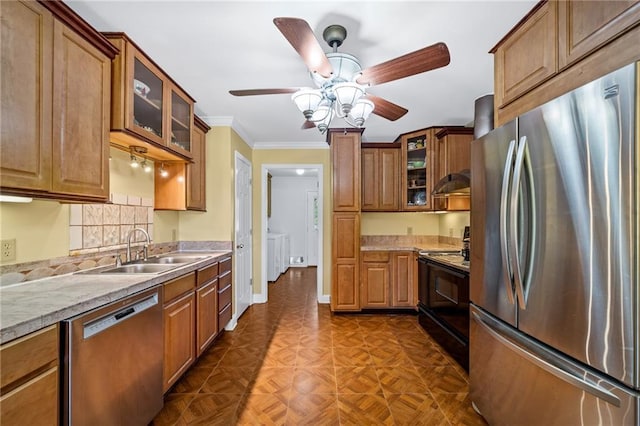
point(340, 81)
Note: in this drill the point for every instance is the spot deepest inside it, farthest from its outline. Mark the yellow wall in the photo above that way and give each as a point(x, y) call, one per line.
point(410, 223)
point(453, 223)
point(41, 228)
point(217, 223)
point(292, 156)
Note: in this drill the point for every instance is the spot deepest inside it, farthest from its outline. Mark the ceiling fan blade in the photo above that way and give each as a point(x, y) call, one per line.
point(386, 109)
point(252, 92)
point(425, 59)
point(299, 34)
point(308, 125)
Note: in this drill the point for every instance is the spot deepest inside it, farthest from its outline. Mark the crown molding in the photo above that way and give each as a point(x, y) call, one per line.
point(229, 121)
point(291, 145)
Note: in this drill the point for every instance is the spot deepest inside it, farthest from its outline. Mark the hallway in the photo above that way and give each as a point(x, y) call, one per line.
point(291, 362)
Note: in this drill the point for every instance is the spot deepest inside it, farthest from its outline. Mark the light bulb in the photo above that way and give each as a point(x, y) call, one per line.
point(134, 162)
point(163, 172)
point(146, 166)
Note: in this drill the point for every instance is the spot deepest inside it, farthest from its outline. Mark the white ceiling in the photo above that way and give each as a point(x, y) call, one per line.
point(211, 47)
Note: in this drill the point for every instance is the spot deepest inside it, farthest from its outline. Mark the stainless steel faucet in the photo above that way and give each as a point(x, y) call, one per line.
point(144, 248)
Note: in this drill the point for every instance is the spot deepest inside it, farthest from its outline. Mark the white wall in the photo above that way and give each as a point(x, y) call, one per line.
point(288, 209)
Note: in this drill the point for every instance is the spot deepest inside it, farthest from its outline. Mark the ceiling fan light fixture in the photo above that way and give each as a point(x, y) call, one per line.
point(347, 94)
point(323, 124)
point(361, 111)
point(307, 101)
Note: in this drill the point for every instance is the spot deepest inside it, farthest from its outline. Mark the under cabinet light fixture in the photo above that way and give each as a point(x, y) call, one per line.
point(146, 166)
point(163, 172)
point(134, 152)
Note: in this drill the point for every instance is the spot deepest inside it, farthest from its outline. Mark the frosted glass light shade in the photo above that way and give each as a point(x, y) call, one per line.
point(307, 101)
point(361, 111)
point(347, 94)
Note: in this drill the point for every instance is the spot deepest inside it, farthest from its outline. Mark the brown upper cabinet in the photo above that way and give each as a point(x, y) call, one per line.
point(529, 55)
point(380, 177)
point(54, 103)
point(148, 108)
point(180, 186)
point(559, 46)
point(454, 149)
point(196, 171)
point(345, 160)
point(583, 26)
point(418, 167)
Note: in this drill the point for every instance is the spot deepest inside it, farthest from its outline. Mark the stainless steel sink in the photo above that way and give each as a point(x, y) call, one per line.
point(169, 259)
point(137, 268)
point(153, 265)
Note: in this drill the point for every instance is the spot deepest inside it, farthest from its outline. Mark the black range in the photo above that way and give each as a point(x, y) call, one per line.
point(443, 301)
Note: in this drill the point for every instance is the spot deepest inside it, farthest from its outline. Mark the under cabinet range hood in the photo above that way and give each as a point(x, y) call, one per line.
point(454, 185)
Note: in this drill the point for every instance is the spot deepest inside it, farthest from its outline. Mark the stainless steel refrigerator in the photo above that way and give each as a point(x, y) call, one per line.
point(554, 261)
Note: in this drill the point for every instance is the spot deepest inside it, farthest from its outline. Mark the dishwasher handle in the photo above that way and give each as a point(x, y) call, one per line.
point(114, 318)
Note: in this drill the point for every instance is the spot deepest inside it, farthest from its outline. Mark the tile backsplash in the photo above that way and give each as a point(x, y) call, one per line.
point(100, 227)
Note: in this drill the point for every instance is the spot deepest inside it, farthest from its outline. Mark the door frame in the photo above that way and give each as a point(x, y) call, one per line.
point(262, 297)
point(239, 157)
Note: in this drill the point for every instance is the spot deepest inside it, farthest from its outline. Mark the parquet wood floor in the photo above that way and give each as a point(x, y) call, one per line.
point(292, 362)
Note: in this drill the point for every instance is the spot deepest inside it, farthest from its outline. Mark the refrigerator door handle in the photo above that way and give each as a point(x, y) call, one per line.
point(504, 220)
point(513, 223)
point(557, 369)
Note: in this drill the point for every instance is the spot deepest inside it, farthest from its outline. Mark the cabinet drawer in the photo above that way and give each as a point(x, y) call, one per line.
point(207, 274)
point(224, 296)
point(28, 354)
point(33, 403)
point(375, 256)
point(225, 265)
point(224, 317)
point(181, 285)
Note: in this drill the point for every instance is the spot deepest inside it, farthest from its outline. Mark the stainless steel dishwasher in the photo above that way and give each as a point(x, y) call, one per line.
point(113, 363)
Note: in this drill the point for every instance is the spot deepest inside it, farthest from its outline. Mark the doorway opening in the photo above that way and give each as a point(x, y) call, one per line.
point(291, 222)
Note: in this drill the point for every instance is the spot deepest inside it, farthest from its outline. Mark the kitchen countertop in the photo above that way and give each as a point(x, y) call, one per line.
point(32, 305)
point(430, 247)
point(452, 260)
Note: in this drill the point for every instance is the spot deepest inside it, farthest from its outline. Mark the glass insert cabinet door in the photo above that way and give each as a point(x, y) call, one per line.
point(180, 123)
point(416, 173)
point(148, 92)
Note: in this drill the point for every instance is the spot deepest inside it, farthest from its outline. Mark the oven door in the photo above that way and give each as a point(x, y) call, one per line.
point(444, 308)
point(448, 297)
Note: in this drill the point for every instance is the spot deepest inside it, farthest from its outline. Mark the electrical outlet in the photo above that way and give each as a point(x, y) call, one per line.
point(8, 250)
point(409, 230)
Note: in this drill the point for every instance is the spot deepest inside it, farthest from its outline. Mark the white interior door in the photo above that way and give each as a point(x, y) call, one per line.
point(243, 239)
point(312, 228)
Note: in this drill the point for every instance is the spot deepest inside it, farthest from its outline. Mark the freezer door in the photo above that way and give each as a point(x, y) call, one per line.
point(516, 381)
point(578, 264)
point(492, 158)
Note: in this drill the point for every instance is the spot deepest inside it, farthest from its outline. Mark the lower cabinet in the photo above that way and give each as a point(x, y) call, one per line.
point(224, 293)
point(206, 307)
point(404, 291)
point(375, 275)
point(179, 318)
point(388, 279)
point(29, 373)
point(196, 307)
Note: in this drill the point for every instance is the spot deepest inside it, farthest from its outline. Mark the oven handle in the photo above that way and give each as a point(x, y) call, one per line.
point(447, 270)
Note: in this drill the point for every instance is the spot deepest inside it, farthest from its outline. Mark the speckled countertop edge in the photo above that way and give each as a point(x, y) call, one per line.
point(432, 247)
point(32, 305)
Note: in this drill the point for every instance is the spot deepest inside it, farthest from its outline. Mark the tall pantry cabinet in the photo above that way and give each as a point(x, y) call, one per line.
point(345, 253)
